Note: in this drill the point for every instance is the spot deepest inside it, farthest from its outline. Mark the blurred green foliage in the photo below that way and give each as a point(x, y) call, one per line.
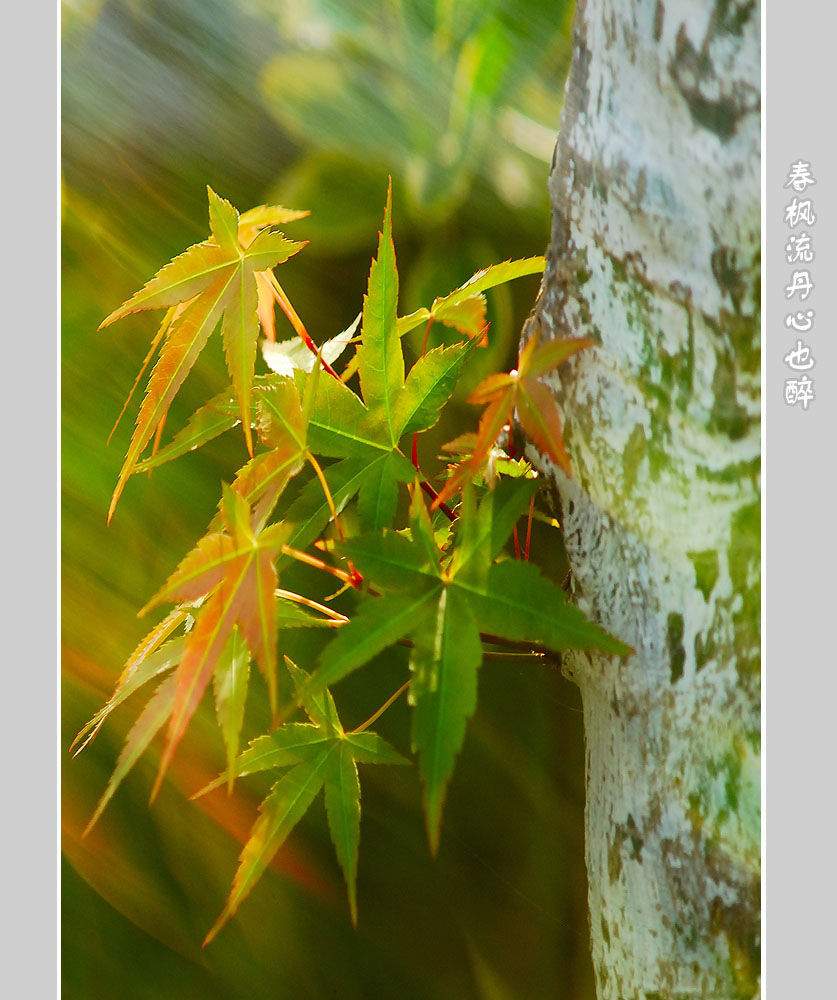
point(312, 104)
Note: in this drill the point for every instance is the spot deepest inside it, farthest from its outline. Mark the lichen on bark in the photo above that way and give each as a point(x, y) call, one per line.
point(655, 253)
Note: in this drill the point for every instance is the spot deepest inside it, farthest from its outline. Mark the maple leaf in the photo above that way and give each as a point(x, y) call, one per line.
point(442, 603)
point(220, 414)
point(320, 755)
point(152, 656)
point(230, 680)
point(218, 280)
point(150, 722)
point(465, 307)
point(282, 426)
point(369, 427)
point(289, 355)
point(519, 390)
point(235, 572)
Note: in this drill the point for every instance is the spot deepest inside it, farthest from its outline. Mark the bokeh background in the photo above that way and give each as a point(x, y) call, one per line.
point(311, 104)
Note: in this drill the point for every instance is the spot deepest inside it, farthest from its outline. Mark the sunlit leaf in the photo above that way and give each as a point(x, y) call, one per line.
point(287, 803)
point(220, 414)
point(200, 571)
point(539, 418)
point(144, 669)
point(184, 341)
point(280, 414)
point(467, 316)
point(254, 219)
point(186, 276)
point(269, 471)
point(220, 275)
point(240, 332)
point(288, 355)
point(380, 361)
point(484, 279)
point(428, 387)
point(370, 748)
point(149, 723)
point(292, 743)
point(231, 677)
point(237, 571)
point(464, 308)
point(503, 394)
point(223, 222)
point(292, 615)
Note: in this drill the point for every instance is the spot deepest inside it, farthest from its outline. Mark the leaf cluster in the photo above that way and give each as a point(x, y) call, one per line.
point(440, 584)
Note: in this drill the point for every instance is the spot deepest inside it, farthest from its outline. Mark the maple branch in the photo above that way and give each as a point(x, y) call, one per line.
point(529, 527)
point(327, 492)
point(515, 647)
point(296, 322)
point(426, 335)
point(428, 489)
point(376, 715)
point(518, 645)
point(443, 507)
point(492, 654)
point(352, 579)
point(335, 617)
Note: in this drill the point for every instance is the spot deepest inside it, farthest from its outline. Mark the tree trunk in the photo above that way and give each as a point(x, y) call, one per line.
point(655, 253)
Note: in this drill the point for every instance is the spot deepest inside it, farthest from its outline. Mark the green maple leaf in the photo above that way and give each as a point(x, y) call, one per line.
point(344, 425)
point(442, 603)
point(213, 280)
point(320, 755)
point(231, 679)
point(465, 307)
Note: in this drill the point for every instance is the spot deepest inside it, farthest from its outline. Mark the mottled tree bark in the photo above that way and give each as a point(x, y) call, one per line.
point(655, 253)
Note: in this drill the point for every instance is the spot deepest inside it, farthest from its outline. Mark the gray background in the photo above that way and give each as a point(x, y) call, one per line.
point(800, 552)
point(29, 729)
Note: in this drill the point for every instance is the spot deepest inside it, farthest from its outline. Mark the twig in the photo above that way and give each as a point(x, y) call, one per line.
point(296, 322)
point(289, 595)
point(376, 715)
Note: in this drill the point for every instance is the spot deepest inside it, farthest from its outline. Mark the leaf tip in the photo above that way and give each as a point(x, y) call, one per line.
point(433, 833)
point(225, 914)
point(158, 781)
point(213, 931)
point(248, 434)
